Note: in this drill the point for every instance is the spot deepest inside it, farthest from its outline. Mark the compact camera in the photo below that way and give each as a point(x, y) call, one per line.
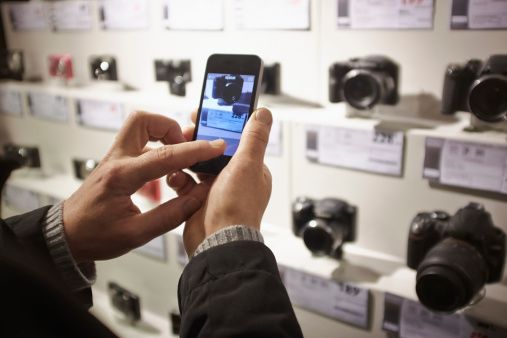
point(12, 65)
point(227, 89)
point(103, 68)
point(60, 66)
point(324, 225)
point(477, 87)
point(364, 82)
point(125, 302)
point(26, 156)
point(176, 72)
point(454, 256)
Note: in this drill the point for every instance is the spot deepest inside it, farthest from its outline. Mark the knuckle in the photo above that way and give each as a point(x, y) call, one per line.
point(165, 152)
point(112, 175)
point(260, 135)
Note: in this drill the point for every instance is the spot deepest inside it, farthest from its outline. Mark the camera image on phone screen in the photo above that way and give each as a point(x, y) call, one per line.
point(225, 108)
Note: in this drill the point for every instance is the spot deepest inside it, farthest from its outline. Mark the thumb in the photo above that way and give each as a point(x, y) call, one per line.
point(255, 137)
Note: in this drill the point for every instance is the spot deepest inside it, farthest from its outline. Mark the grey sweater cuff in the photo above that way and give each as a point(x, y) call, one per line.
point(229, 234)
point(75, 276)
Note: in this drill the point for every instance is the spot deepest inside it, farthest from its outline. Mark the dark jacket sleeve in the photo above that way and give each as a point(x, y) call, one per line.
point(28, 237)
point(233, 290)
point(34, 302)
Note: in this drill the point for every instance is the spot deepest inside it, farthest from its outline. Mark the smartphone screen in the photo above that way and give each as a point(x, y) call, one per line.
point(228, 99)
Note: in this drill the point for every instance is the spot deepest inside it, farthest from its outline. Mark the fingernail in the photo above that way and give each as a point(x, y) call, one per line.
point(218, 143)
point(191, 206)
point(264, 116)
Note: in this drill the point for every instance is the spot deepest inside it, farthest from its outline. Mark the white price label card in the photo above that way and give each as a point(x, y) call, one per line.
point(20, 198)
point(386, 14)
point(100, 114)
point(124, 14)
point(275, 144)
point(418, 322)
point(194, 14)
point(272, 14)
point(479, 14)
point(27, 16)
point(10, 102)
point(48, 106)
point(71, 15)
point(407, 318)
point(364, 149)
point(466, 164)
point(155, 248)
point(344, 301)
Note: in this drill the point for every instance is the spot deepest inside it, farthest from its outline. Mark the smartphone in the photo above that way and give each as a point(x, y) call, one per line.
point(229, 97)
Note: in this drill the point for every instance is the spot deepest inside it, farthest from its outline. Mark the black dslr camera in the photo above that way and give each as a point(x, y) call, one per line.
point(364, 82)
point(176, 72)
point(454, 256)
point(477, 87)
point(324, 225)
point(227, 89)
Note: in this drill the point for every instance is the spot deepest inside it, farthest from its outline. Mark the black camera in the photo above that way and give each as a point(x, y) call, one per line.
point(477, 87)
point(12, 65)
point(176, 72)
point(227, 89)
point(454, 256)
point(103, 68)
point(324, 225)
point(364, 82)
point(125, 302)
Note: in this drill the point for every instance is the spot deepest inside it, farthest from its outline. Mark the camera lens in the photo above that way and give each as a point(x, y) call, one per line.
point(231, 93)
point(322, 239)
point(488, 98)
point(361, 89)
point(450, 275)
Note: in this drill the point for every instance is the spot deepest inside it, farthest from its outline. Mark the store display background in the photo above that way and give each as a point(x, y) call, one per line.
point(385, 204)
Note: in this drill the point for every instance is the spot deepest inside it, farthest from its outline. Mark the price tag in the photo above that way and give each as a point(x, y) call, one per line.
point(410, 319)
point(337, 299)
point(227, 120)
point(27, 16)
point(370, 150)
point(194, 14)
point(124, 14)
point(52, 107)
point(155, 248)
point(71, 15)
point(10, 102)
point(99, 114)
point(272, 14)
point(275, 144)
point(388, 14)
point(417, 321)
point(478, 14)
point(22, 199)
point(466, 164)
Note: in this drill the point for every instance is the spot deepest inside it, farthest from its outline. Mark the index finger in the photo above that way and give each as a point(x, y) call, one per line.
point(141, 127)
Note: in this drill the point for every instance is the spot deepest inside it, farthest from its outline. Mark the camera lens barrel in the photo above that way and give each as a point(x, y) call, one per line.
point(323, 239)
point(488, 98)
point(362, 89)
point(450, 275)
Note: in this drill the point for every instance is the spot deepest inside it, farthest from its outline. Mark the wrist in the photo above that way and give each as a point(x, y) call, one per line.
point(230, 234)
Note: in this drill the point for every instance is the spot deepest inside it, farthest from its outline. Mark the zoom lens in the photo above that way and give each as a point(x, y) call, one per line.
point(231, 93)
point(323, 238)
point(450, 275)
point(361, 90)
point(488, 98)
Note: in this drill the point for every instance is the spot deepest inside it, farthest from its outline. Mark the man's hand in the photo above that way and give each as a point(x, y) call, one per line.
point(100, 219)
point(240, 193)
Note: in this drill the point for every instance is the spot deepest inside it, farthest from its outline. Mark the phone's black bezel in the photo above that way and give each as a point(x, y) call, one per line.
point(242, 64)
